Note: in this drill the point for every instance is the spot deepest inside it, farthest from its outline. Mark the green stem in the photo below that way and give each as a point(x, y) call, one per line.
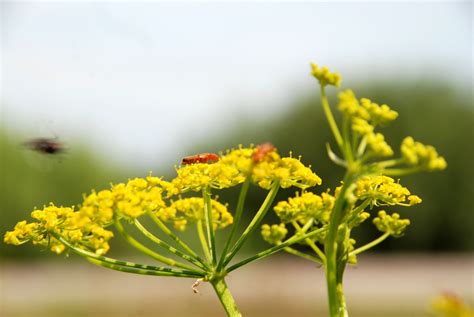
point(127, 265)
point(174, 237)
point(355, 212)
point(330, 118)
point(330, 247)
point(303, 255)
point(166, 246)
point(401, 171)
point(137, 245)
point(294, 239)
point(342, 312)
point(136, 271)
point(202, 239)
point(255, 222)
point(389, 163)
point(310, 242)
point(345, 131)
point(226, 298)
point(370, 244)
point(238, 215)
point(206, 195)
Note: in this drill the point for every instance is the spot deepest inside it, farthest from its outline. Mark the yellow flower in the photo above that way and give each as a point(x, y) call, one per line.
point(362, 127)
point(274, 234)
point(379, 115)
point(350, 106)
point(451, 305)
point(22, 233)
point(383, 190)
point(240, 159)
point(391, 223)
point(324, 76)
point(377, 145)
point(137, 197)
point(62, 221)
point(197, 176)
point(305, 207)
point(423, 156)
point(186, 210)
point(288, 171)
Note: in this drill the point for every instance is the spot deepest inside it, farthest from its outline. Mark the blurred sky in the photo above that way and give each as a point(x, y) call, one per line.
point(144, 81)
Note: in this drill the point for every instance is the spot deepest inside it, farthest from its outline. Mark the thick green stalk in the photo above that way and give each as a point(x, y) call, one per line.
point(226, 298)
point(255, 222)
point(347, 141)
point(206, 195)
point(165, 245)
point(330, 248)
point(238, 215)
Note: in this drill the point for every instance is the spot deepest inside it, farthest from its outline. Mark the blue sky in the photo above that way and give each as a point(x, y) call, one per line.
point(144, 81)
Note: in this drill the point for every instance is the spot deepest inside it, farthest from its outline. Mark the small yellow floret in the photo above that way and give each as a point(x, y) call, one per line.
point(324, 76)
point(379, 115)
point(274, 234)
point(377, 145)
point(186, 210)
point(423, 156)
point(350, 106)
point(391, 223)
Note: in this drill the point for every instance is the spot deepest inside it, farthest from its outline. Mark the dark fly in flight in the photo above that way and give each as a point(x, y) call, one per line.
point(45, 145)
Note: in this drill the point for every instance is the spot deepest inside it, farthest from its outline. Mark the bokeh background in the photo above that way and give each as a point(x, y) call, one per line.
point(133, 87)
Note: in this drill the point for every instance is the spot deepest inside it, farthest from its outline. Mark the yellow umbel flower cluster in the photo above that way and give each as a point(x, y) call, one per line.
point(423, 156)
point(131, 200)
point(391, 224)
point(383, 190)
point(186, 210)
point(379, 115)
point(306, 206)
point(197, 176)
point(287, 171)
point(324, 76)
point(365, 116)
point(234, 167)
point(365, 109)
point(65, 222)
point(274, 234)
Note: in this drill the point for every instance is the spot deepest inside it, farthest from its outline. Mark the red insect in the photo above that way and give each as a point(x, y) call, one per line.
point(200, 158)
point(261, 151)
point(45, 145)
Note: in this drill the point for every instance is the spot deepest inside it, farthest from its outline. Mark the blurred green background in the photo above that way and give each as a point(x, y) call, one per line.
point(434, 113)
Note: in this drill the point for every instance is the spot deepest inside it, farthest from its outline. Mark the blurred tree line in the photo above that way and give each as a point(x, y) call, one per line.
point(433, 113)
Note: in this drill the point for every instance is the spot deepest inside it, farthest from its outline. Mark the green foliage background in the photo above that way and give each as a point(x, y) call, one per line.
point(433, 113)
